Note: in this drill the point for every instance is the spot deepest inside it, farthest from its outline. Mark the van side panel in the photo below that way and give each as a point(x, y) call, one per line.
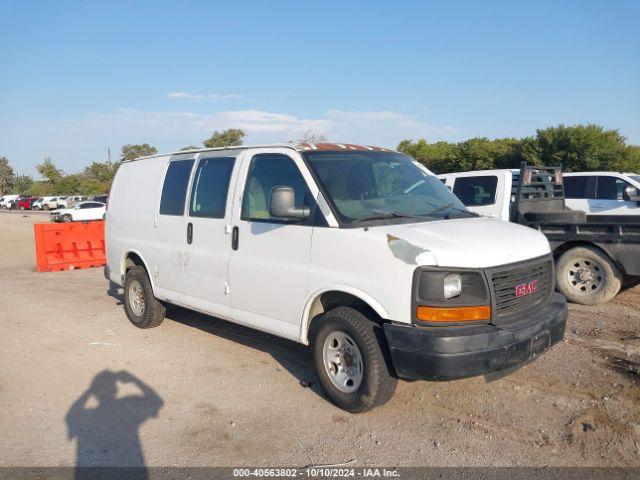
point(133, 203)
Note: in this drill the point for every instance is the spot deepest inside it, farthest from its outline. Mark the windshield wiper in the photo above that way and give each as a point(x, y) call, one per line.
point(450, 206)
point(383, 216)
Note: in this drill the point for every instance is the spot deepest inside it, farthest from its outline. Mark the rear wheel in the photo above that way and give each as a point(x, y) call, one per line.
point(587, 276)
point(142, 308)
point(349, 360)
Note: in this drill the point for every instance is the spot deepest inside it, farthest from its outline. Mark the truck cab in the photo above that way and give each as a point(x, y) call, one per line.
point(357, 251)
point(603, 193)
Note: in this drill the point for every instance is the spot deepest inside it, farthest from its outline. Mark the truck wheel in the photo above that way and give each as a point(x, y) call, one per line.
point(143, 309)
point(350, 362)
point(587, 276)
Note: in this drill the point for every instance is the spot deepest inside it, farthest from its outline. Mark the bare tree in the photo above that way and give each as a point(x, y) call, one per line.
point(312, 137)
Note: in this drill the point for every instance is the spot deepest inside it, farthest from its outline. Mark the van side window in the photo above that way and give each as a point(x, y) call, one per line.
point(210, 187)
point(575, 187)
point(476, 191)
point(610, 188)
point(266, 172)
point(175, 186)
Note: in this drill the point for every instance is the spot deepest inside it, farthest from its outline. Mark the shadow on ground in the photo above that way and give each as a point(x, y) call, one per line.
point(106, 425)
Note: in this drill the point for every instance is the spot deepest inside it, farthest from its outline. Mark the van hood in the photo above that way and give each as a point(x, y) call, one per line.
point(469, 242)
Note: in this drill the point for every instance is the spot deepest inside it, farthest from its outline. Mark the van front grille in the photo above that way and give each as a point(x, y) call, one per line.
point(520, 287)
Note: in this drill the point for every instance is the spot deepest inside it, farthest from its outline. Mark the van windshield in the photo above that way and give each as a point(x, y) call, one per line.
point(371, 185)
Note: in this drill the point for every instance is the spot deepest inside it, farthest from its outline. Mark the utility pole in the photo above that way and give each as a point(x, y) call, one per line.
point(109, 155)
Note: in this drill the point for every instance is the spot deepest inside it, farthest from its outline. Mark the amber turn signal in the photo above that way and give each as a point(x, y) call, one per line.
point(453, 314)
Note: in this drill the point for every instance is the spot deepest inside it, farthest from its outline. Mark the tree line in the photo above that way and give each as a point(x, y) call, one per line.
point(576, 148)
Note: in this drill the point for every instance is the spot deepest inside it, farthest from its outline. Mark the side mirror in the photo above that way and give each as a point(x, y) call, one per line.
point(282, 204)
point(631, 194)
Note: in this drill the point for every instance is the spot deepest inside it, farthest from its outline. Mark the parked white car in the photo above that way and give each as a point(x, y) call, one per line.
point(321, 244)
point(603, 193)
point(82, 212)
point(6, 200)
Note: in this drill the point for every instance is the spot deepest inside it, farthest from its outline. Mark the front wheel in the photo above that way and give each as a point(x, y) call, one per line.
point(142, 308)
point(67, 218)
point(349, 360)
point(587, 276)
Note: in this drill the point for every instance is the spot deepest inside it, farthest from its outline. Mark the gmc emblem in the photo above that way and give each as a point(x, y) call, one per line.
point(526, 288)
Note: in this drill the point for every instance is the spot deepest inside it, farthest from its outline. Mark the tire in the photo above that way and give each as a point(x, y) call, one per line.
point(152, 311)
point(67, 218)
point(21, 208)
point(345, 327)
point(46, 207)
point(587, 276)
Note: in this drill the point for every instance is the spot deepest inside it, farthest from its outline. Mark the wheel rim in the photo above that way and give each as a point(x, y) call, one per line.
point(343, 362)
point(586, 276)
point(136, 298)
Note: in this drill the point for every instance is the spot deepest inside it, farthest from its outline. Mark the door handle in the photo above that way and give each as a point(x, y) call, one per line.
point(189, 233)
point(235, 233)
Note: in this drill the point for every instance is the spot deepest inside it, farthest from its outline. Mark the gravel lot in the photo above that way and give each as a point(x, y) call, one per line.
point(222, 395)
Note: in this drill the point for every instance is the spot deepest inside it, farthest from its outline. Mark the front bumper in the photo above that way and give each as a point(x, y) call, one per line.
point(441, 353)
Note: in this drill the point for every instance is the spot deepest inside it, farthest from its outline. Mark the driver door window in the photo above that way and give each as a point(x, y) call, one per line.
point(266, 172)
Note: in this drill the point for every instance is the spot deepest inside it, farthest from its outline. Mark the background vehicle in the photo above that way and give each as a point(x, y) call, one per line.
point(397, 282)
point(593, 253)
point(603, 193)
point(81, 212)
point(52, 203)
point(26, 203)
point(7, 201)
point(101, 198)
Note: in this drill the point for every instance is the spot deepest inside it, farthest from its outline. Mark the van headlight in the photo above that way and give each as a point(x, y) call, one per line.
point(450, 295)
point(452, 285)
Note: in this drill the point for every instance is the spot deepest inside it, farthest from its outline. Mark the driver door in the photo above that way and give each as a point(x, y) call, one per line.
point(270, 256)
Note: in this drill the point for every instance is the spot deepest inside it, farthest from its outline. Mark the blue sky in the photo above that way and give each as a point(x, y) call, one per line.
point(77, 78)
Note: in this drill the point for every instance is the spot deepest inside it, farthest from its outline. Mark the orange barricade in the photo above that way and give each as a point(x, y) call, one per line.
point(65, 246)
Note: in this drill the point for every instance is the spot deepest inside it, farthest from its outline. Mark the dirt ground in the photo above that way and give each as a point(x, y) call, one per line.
point(216, 394)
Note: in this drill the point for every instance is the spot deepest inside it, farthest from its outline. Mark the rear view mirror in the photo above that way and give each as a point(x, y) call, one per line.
point(631, 194)
point(282, 204)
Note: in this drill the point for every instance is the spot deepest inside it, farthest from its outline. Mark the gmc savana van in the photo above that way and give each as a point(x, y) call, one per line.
point(359, 252)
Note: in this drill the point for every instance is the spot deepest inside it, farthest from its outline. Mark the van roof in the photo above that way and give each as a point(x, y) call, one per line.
point(300, 147)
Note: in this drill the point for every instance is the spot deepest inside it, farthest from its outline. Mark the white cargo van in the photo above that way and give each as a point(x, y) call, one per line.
point(357, 251)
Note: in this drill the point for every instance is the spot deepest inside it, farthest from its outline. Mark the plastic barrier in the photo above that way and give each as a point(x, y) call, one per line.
point(65, 246)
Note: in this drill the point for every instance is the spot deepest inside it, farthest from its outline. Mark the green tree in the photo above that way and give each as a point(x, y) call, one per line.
point(6, 176)
point(226, 138)
point(51, 175)
point(133, 151)
point(22, 183)
point(581, 147)
point(96, 178)
point(190, 147)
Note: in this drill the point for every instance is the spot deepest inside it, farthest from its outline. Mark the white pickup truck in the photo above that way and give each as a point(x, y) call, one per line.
point(593, 253)
point(358, 251)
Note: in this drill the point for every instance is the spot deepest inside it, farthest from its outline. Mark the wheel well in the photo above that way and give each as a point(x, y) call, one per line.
point(569, 245)
point(333, 299)
point(132, 260)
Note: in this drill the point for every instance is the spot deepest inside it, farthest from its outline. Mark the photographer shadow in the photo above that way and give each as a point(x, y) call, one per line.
point(106, 426)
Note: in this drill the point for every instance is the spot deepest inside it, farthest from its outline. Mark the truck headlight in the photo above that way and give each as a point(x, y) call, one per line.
point(452, 285)
point(450, 295)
